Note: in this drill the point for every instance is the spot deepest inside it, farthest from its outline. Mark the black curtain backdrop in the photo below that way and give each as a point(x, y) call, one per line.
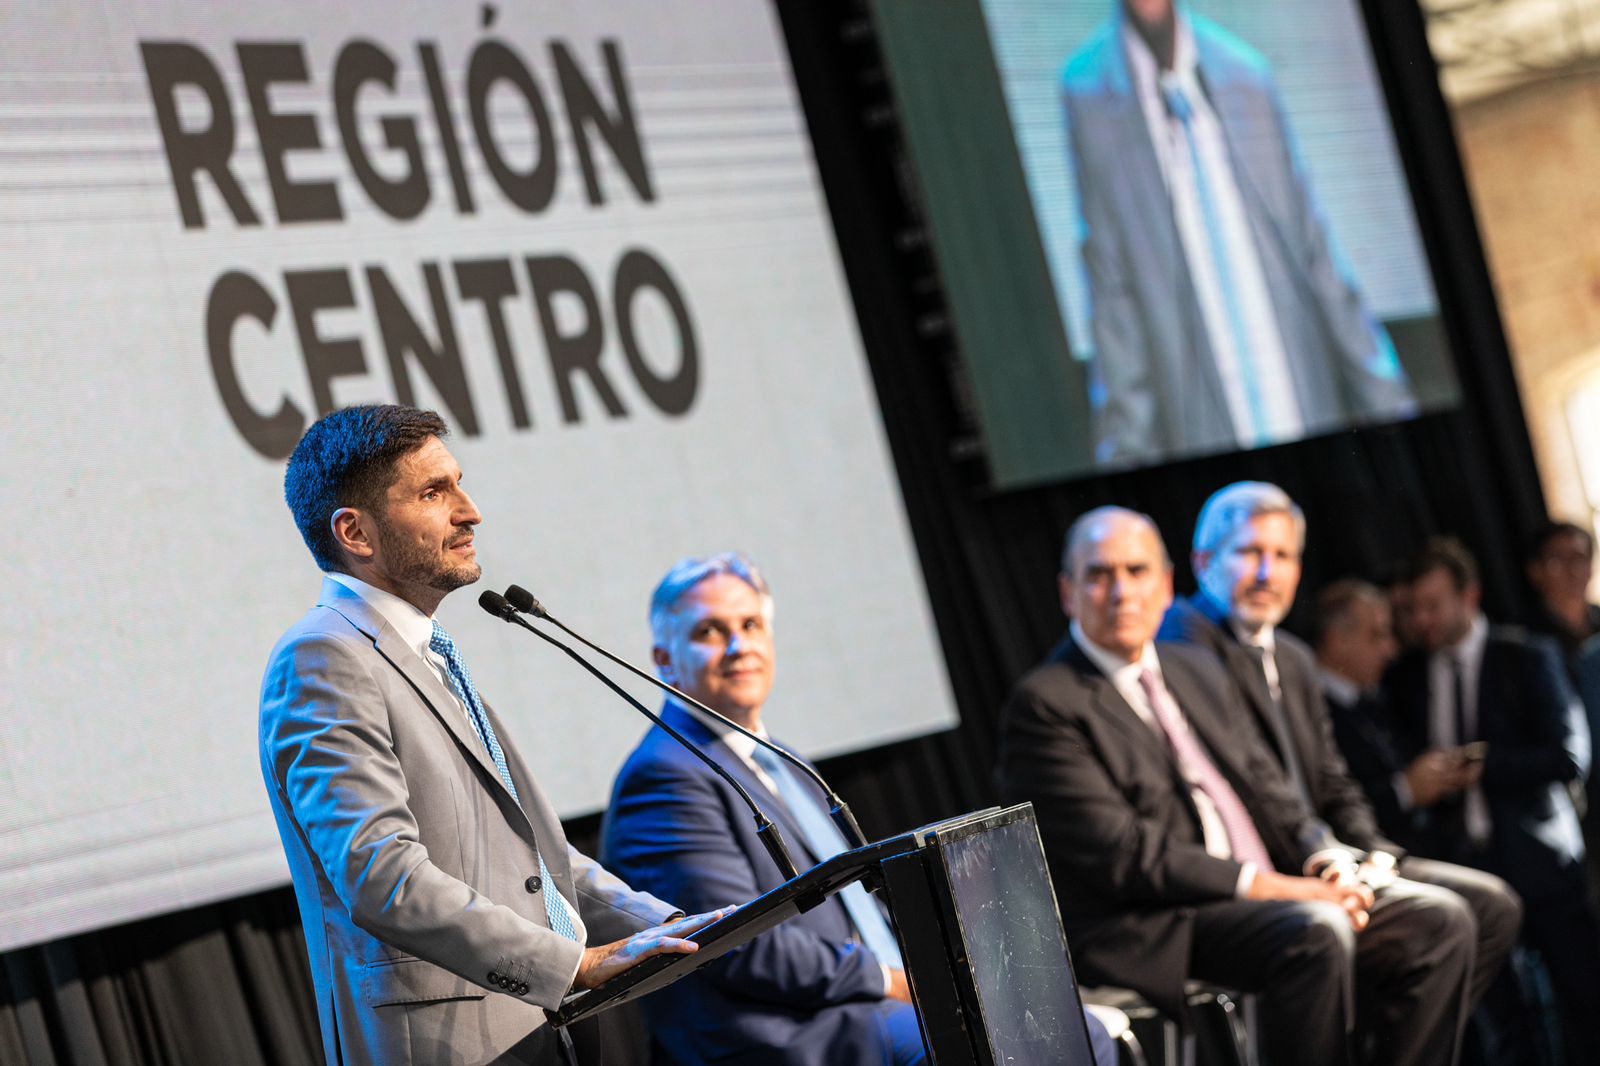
point(229, 982)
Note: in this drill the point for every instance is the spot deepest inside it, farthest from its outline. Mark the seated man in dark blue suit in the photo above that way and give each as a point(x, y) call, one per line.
point(1507, 691)
point(1355, 645)
point(826, 988)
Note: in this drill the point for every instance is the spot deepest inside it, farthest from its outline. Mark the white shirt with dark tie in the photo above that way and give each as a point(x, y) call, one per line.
point(1467, 656)
point(1261, 350)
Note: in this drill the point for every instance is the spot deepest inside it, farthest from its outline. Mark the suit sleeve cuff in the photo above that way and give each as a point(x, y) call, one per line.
point(1247, 880)
point(1402, 791)
point(577, 964)
point(1327, 857)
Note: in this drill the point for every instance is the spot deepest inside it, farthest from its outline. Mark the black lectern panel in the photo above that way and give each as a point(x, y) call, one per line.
point(1022, 977)
point(978, 925)
point(984, 946)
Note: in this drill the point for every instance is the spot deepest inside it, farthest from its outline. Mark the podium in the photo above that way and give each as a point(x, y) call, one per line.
point(976, 913)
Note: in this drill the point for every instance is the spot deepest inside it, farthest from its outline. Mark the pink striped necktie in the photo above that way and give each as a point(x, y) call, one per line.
point(1202, 773)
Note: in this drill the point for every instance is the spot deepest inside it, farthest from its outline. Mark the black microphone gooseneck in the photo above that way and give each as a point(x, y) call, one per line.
point(522, 600)
point(502, 609)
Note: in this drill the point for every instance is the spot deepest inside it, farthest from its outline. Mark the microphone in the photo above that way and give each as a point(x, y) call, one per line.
point(524, 601)
point(769, 834)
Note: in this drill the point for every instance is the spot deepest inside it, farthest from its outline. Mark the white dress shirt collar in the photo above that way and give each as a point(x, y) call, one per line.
point(741, 745)
point(1341, 689)
point(1265, 638)
point(414, 627)
point(736, 741)
point(1114, 665)
point(1469, 649)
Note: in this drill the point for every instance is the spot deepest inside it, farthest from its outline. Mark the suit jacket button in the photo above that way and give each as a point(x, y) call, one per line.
point(534, 883)
point(522, 989)
point(494, 978)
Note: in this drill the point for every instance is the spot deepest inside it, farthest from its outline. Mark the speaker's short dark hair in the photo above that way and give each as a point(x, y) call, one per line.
point(347, 459)
point(1451, 556)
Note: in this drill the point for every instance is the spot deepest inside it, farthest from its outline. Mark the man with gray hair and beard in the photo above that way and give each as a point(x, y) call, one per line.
point(1180, 852)
point(1247, 551)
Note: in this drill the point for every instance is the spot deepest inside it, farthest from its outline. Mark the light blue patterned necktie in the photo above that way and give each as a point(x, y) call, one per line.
point(825, 841)
point(1180, 107)
point(556, 907)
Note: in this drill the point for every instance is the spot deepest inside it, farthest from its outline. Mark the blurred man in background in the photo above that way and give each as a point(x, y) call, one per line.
point(1248, 542)
point(1179, 851)
point(1507, 694)
point(1560, 567)
point(1355, 645)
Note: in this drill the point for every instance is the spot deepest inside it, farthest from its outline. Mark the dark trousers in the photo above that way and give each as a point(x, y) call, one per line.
point(1496, 910)
point(1564, 933)
point(1395, 993)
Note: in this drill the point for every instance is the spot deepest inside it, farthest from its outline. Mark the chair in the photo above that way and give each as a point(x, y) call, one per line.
point(1224, 1031)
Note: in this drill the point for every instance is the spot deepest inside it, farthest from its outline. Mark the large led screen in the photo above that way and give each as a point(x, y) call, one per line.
point(1168, 230)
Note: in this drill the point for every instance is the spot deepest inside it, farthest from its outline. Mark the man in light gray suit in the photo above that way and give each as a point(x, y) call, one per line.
point(443, 908)
point(1221, 312)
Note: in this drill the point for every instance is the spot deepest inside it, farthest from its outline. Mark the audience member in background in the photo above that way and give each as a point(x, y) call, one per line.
point(1508, 696)
point(827, 987)
point(1247, 548)
point(1355, 645)
point(1588, 671)
point(1180, 851)
point(1560, 567)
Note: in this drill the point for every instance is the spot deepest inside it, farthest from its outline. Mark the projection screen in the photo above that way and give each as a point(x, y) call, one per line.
point(591, 235)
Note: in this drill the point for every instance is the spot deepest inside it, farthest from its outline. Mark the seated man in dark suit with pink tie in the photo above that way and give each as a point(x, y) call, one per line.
point(1180, 851)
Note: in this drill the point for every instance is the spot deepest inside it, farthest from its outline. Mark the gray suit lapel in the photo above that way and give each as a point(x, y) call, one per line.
point(432, 691)
point(1142, 172)
point(537, 810)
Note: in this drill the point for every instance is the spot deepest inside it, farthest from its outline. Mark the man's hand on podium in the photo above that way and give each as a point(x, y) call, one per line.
point(601, 964)
point(898, 988)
